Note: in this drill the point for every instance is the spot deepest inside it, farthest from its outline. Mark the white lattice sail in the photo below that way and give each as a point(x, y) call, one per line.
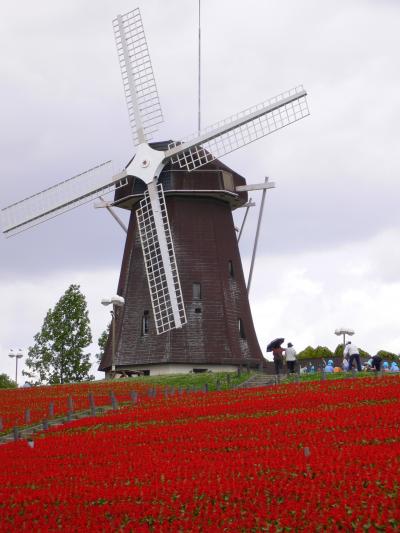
point(241, 129)
point(60, 198)
point(137, 76)
point(160, 261)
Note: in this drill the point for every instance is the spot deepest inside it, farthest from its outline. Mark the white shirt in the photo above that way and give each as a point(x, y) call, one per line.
point(290, 354)
point(350, 349)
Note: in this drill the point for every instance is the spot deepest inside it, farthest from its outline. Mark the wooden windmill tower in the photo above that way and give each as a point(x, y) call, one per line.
point(186, 304)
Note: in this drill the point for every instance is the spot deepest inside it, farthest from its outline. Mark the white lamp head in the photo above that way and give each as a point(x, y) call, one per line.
point(344, 331)
point(11, 354)
point(117, 300)
point(106, 301)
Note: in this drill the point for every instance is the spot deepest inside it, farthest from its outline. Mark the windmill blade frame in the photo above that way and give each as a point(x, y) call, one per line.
point(160, 262)
point(60, 198)
point(140, 88)
point(239, 130)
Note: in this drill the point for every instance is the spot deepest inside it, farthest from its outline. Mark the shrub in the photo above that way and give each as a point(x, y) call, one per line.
point(6, 382)
point(320, 352)
point(389, 356)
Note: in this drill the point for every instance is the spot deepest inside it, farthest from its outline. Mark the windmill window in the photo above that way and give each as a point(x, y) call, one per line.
point(198, 310)
point(227, 180)
point(196, 291)
point(145, 323)
point(242, 334)
point(230, 268)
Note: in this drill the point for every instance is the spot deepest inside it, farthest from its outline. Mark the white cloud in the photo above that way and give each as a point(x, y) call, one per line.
point(306, 303)
point(26, 303)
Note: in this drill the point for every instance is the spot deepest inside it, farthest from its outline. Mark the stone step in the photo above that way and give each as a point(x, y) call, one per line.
point(258, 380)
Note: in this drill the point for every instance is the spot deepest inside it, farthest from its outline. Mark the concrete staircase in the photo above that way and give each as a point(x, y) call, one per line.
point(260, 380)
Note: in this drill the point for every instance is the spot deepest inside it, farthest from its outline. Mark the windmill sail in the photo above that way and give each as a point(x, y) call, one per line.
point(137, 76)
point(159, 260)
point(239, 130)
point(60, 198)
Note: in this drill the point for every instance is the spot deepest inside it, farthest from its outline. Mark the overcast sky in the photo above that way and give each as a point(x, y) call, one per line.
point(329, 248)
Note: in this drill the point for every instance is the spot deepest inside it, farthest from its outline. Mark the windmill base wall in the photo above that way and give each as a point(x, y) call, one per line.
point(170, 369)
point(219, 333)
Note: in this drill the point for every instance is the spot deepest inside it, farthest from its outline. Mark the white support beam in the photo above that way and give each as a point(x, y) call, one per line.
point(263, 186)
point(107, 205)
point(255, 187)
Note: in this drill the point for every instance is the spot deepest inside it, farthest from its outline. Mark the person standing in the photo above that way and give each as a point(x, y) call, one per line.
point(329, 367)
point(376, 362)
point(351, 351)
point(291, 357)
point(278, 359)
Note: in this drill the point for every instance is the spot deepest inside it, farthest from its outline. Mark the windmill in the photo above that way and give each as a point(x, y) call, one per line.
point(185, 170)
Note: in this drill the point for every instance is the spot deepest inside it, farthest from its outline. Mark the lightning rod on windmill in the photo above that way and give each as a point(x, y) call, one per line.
point(186, 303)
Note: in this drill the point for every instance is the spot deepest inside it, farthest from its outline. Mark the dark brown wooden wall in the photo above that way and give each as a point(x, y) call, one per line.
point(205, 241)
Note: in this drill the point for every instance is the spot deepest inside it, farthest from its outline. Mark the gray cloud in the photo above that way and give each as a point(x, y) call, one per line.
point(62, 111)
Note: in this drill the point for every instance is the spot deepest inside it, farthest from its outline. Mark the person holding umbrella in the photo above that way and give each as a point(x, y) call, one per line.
point(277, 353)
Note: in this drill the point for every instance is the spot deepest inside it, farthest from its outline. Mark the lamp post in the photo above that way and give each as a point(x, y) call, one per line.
point(115, 301)
point(17, 356)
point(344, 332)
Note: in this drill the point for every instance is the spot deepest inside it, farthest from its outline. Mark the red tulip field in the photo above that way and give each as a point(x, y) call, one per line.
point(315, 456)
point(14, 402)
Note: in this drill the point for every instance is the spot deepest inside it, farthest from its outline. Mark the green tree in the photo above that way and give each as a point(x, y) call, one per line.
point(307, 353)
point(339, 350)
point(323, 352)
point(57, 355)
point(102, 342)
point(6, 382)
point(315, 353)
point(389, 356)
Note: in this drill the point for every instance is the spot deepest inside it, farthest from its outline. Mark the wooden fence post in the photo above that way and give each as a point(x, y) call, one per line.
point(92, 404)
point(134, 396)
point(114, 402)
point(70, 404)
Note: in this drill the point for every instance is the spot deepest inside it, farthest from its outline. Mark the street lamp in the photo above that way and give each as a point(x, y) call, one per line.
point(17, 356)
point(344, 332)
point(115, 301)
